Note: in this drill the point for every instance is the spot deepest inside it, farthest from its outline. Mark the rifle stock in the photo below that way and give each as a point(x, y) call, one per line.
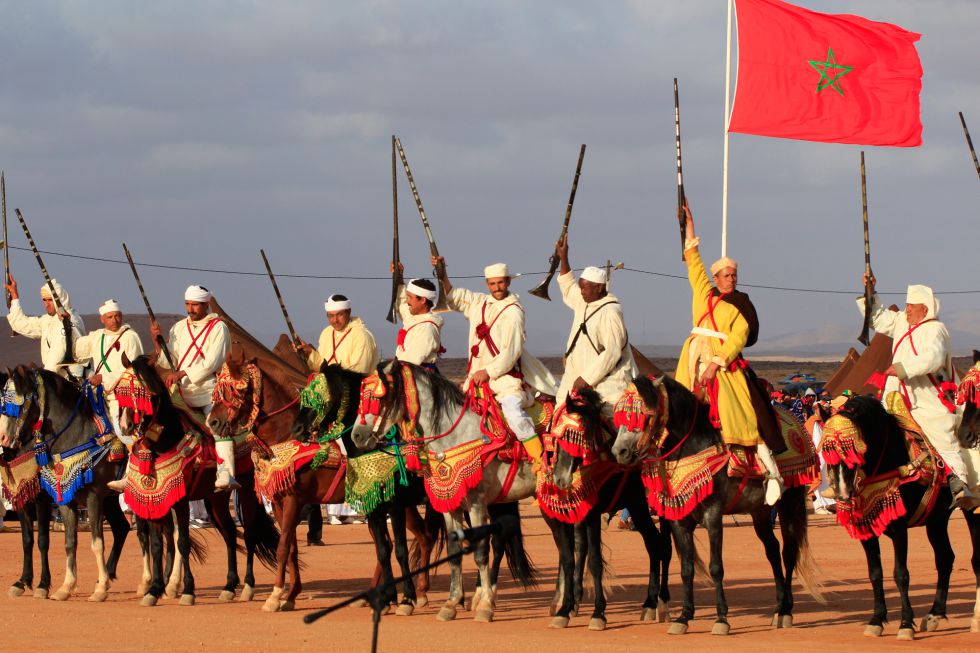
point(149, 311)
point(396, 274)
point(681, 218)
point(864, 338)
point(541, 290)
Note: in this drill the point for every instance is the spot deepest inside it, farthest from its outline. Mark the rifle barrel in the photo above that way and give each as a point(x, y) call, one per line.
point(6, 251)
point(969, 142)
point(864, 338)
point(282, 304)
point(681, 218)
point(149, 310)
point(396, 275)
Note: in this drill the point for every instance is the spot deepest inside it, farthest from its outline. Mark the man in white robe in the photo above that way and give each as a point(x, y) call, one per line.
point(922, 371)
point(199, 345)
point(48, 328)
point(497, 355)
point(597, 353)
point(420, 338)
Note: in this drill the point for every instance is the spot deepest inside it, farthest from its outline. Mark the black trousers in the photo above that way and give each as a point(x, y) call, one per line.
point(312, 512)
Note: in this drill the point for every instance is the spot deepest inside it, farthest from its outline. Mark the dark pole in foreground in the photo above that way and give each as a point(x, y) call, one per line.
point(969, 142)
point(864, 338)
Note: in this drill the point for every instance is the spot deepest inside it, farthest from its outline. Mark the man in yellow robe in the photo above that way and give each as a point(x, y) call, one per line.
point(711, 363)
point(345, 342)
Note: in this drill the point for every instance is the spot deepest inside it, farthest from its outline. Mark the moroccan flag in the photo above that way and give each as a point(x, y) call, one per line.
point(823, 77)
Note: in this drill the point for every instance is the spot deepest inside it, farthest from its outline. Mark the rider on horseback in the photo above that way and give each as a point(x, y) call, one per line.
point(922, 371)
point(345, 342)
point(48, 328)
point(711, 363)
point(497, 356)
point(598, 353)
point(420, 338)
point(200, 346)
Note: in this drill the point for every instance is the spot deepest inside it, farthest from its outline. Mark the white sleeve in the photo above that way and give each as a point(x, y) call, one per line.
point(882, 320)
point(931, 346)
point(570, 292)
point(464, 301)
point(25, 325)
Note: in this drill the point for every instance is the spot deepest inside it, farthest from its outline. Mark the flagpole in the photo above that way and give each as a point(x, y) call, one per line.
point(724, 178)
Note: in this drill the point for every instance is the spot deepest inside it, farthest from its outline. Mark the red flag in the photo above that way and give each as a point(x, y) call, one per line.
point(823, 77)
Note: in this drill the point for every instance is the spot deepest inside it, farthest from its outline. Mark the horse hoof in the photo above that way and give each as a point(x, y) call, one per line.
point(360, 603)
point(149, 601)
point(873, 631)
point(786, 621)
point(40, 593)
point(15, 591)
point(226, 596)
point(446, 613)
point(975, 625)
point(775, 621)
point(648, 614)
point(170, 592)
point(906, 634)
point(271, 605)
point(248, 593)
point(61, 595)
point(421, 601)
point(483, 615)
point(597, 623)
point(187, 599)
point(663, 611)
point(930, 623)
point(721, 628)
point(677, 628)
point(405, 610)
point(99, 596)
point(559, 622)
point(574, 612)
point(142, 589)
point(287, 606)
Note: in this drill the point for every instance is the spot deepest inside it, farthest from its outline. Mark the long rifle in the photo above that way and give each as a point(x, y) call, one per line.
point(282, 305)
point(440, 269)
point(6, 252)
point(69, 357)
point(681, 217)
point(542, 289)
point(149, 311)
point(864, 338)
point(396, 273)
point(969, 142)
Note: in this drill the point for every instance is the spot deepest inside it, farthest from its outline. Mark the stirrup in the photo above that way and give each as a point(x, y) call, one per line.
point(225, 482)
point(965, 500)
point(774, 488)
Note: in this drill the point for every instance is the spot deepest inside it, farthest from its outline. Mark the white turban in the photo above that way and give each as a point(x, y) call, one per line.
point(110, 306)
point(333, 304)
point(198, 294)
point(923, 295)
point(594, 274)
point(419, 291)
point(496, 270)
point(46, 290)
point(722, 263)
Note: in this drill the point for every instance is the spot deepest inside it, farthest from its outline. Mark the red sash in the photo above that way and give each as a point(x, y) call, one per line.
point(710, 313)
point(400, 343)
point(483, 335)
point(202, 336)
point(333, 340)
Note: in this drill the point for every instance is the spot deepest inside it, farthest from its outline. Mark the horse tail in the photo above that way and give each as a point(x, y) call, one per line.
point(262, 533)
point(199, 549)
point(520, 564)
point(793, 526)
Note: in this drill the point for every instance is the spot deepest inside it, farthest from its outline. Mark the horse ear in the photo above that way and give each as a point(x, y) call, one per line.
point(235, 358)
point(976, 356)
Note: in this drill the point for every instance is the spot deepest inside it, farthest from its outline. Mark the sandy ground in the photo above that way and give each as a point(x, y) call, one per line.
point(521, 624)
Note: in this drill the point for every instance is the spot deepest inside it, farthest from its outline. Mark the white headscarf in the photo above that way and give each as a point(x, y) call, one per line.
point(333, 304)
point(198, 294)
point(110, 306)
point(60, 290)
point(918, 294)
point(419, 291)
point(496, 270)
point(594, 274)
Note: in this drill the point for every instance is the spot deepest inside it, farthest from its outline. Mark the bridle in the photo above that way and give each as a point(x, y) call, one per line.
point(232, 392)
point(632, 413)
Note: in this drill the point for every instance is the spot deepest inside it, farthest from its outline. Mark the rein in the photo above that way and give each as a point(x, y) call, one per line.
point(677, 447)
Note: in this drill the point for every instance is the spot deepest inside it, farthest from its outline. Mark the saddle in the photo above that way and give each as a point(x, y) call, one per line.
point(496, 429)
point(798, 463)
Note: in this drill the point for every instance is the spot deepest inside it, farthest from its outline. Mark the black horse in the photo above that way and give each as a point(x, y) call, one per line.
point(260, 533)
point(67, 426)
point(620, 488)
point(885, 452)
point(671, 408)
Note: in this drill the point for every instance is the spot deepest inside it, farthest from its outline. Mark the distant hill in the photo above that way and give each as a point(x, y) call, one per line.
point(17, 350)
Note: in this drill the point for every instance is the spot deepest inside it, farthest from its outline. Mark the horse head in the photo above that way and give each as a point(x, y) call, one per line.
point(968, 395)
point(861, 440)
point(578, 435)
point(327, 403)
point(640, 415)
point(20, 408)
point(378, 407)
point(141, 395)
point(237, 395)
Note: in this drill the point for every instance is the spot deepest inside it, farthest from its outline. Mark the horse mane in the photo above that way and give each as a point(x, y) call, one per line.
point(334, 373)
point(880, 431)
point(148, 374)
point(587, 406)
point(446, 395)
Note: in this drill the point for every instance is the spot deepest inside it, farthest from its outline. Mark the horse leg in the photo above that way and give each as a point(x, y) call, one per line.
point(94, 505)
point(651, 542)
point(378, 527)
point(143, 536)
point(120, 528)
point(563, 601)
point(763, 530)
point(973, 522)
point(454, 521)
point(156, 588)
point(26, 580)
point(287, 514)
point(937, 530)
point(417, 526)
point(900, 541)
point(252, 520)
point(481, 556)
point(872, 551)
point(716, 567)
point(684, 539)
point(400, 536)
point(289, 603)
point(218, 507)
point(666, 553)
point(69, 516)
point(43, 515)
point(593, 531)
point(173, 559)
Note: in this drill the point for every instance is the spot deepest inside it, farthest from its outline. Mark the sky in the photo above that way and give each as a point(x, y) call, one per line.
point(199, 132)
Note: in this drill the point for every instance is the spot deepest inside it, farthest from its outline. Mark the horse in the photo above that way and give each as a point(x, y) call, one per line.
point(48, 424)
point(652, 407)
point(882, 489)
point(167, 470)
point(440, 417)
point(589, 485)
point(256, 397)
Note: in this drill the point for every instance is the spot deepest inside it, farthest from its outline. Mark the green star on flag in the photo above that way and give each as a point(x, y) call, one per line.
point(826, 70)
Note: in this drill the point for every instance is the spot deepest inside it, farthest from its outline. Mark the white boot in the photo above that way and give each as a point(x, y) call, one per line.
point(225, 476)
point(774, 481)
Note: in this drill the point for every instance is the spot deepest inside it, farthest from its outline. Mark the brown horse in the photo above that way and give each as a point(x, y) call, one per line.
point(255, 396)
